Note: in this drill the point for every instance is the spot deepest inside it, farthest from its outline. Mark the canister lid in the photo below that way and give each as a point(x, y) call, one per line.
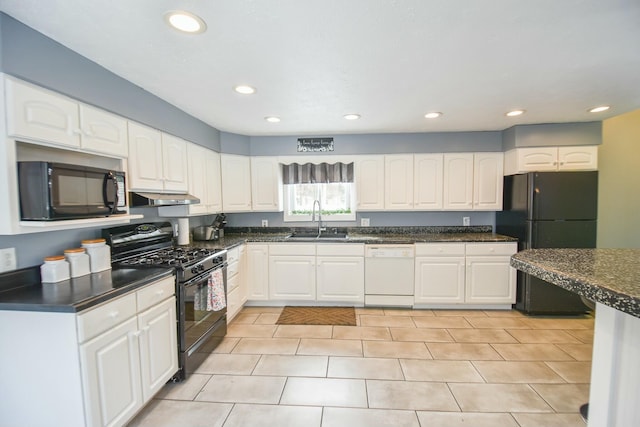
point(93, 241)
point(54, 258)
point(75, 251)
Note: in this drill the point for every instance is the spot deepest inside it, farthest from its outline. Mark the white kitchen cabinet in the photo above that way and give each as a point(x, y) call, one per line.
point(541, 159)
point(292, 272)
point(214, 181)
point(236, 183)
point(236, 288)
point(428, 181)
point(340, 273)
point(257, 272)
point(99, 366)
point(157, 161)
point(369, 171)
point(398, 182)
point(440, 273)
point(204, 182)
point(487, 181)
point(266, 184)
point(50, 118)
point(490, 278)
point(458, 181)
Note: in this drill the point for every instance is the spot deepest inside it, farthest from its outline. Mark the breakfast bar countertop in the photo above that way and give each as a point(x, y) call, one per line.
point(606, 276)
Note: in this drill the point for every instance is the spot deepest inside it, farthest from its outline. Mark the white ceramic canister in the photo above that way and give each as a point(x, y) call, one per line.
point(78, 261)
point(99, 254)
point(54, 269)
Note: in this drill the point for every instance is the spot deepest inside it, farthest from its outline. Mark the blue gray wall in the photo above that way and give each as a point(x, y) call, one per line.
point(552, 134)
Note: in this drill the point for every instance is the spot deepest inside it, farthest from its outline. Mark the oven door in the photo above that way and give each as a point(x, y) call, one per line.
point(198, 323)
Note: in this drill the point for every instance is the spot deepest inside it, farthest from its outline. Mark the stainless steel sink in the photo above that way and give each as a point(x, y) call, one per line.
point(314, 237)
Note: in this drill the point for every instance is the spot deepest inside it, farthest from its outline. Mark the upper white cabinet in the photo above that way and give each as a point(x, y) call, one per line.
point(540, 159)
point(204, 179)
point(458, 181)
point(487, 181)
point(473, 181)
point(213, 175)
point(398, 182)
point(47, 117)
point(157, 161)
point(428, 181)
point(370, 184)
point(266, 184)
point(236, 183)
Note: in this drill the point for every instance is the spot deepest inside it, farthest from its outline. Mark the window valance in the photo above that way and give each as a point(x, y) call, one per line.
point(321, 173)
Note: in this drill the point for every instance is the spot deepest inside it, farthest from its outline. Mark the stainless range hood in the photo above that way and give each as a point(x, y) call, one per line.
point(142, 199)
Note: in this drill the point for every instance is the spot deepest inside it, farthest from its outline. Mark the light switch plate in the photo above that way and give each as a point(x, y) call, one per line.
point(466, 221)
point(364, 222)
point(7, 259)
point(265, 222)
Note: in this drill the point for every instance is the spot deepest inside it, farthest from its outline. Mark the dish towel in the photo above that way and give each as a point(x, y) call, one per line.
point(216, 299)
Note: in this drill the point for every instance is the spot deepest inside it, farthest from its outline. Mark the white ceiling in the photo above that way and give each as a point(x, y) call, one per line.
point(391, 61)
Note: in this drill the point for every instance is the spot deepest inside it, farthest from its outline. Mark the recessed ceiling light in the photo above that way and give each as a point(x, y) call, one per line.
point(352, 116)
point(245, 89)
point(599, 109)
point(185, 21)
point(515, 113)
point(433, 115)
point(272, 119)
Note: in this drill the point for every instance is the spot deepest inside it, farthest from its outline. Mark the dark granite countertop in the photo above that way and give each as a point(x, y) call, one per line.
point(606, 276)
point(366, 235)
point(24, 292)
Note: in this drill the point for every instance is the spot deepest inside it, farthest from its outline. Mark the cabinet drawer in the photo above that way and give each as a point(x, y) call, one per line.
point(491, 248)
point(232, 269)
point(344, 249)
point(155, 293)
point(435, 249)
point(105, 317)
point(232, 255)
point(232, 283)
point(292, 249)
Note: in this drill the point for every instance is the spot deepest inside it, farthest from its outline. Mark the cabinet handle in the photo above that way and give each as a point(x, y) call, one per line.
point(114, 314)
point(77, 131)
point(88, 133)
point(160, 292)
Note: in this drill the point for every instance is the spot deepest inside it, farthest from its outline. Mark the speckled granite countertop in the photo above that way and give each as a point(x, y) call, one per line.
point(607, 276)
point(367, 235)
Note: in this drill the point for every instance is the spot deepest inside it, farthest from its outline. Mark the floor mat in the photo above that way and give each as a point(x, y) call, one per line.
point(317, 316)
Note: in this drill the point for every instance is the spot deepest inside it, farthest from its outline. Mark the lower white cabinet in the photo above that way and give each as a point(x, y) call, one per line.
point(95, 368)
point(292, 272)
point(340, 273)
point(459, 273)
point(257, 271)
point(236, 284)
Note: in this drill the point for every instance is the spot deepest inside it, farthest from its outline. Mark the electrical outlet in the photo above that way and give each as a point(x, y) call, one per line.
point(265, 222)
point(466, 221)
point(364, 222)
point(7, 259)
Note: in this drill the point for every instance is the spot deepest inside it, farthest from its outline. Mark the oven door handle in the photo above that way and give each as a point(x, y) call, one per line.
point(202, 276)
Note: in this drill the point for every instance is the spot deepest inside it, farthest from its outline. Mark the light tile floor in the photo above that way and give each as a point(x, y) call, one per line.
point(413, 368)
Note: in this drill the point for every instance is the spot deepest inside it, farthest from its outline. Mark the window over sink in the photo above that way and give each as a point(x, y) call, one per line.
point(330, 184)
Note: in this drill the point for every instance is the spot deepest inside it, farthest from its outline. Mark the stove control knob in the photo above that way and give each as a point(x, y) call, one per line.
point(194, 270)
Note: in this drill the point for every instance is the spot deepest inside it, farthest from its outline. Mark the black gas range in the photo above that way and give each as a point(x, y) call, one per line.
point(201, 326)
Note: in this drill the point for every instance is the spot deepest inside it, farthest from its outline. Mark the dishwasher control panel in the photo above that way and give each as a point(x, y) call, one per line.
point(389, 251)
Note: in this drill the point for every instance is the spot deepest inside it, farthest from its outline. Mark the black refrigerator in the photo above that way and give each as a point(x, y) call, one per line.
point(549, 210)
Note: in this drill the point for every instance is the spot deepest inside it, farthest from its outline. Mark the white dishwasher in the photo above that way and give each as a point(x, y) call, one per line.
point(389, 275)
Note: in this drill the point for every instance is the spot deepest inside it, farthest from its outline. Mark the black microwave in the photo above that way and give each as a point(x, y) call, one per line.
point(55, 191)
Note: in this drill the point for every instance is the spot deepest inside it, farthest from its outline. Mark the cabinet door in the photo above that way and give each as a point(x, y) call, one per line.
point(41, 115)
point(537, 159)
point(266, 184)
point(428, 181)
point(257, 277)
point(370, 183)
point(103, 132)
point(145, 158)
point(340, 279)
point(236, 183)
point(214, 181)
point(490, 280)
point(487, 181)
point(398, 182)
point(440, 279)
point(158, 346)
point(292, 277)
point(458, 181)
point(174, 163)
point(197, 165)
point(111, 375)
point(578, 158)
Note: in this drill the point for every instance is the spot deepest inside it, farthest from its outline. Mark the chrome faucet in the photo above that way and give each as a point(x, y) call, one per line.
point(313, 216)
